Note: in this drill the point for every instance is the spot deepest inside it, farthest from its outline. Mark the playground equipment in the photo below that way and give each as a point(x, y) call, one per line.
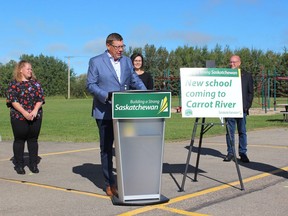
point(266, 81)
point(170, 83)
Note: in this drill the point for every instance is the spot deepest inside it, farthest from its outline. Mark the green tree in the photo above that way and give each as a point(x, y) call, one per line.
point(6, 72)
point(51, 72)
point(78, 89)
point(164, 66)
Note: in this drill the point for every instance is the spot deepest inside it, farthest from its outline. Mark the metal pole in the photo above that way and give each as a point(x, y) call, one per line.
point(232, 144)
point(189, 154)
point(199, 149)
point(274, 89)
point(68, 96)
point(68, 76)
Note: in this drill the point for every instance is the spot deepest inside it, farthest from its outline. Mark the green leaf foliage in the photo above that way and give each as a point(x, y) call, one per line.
point(164, 66)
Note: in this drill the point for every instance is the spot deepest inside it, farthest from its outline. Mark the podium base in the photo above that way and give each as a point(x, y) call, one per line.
point(117, 201)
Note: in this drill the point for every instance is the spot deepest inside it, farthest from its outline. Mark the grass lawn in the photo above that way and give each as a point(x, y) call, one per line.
point(70, 121)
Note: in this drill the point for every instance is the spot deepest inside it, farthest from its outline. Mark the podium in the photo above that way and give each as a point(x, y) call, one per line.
point(139, 127)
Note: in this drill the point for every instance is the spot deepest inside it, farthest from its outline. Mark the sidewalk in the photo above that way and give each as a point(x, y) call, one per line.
point(70, 181)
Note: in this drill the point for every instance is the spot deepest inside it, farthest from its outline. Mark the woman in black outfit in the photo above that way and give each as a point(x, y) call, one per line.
point(138, 63)
point(25, 98)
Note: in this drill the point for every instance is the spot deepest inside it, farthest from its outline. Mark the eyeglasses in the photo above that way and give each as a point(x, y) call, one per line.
point(233, 62)
point(118, 47)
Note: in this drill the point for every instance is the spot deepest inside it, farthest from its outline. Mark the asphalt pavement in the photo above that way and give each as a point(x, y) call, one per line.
point(70, 181)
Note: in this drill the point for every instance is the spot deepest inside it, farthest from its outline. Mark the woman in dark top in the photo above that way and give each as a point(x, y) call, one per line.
point(138, 62)
point(25, 98)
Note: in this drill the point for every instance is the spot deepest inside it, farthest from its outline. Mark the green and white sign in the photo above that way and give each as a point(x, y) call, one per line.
point(211, 92)
point(133, 105)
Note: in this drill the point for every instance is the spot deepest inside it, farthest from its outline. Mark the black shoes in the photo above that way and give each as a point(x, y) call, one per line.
point(244, 158)
point(228, 157)
point(20, 170)
point(34, 169)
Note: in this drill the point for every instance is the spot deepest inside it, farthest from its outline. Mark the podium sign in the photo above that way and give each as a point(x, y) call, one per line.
point(127, 105)
point(139, 126)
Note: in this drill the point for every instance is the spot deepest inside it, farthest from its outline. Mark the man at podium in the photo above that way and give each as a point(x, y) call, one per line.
point(109, 72)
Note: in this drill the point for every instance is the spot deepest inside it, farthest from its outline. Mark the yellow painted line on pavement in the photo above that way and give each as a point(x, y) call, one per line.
point(200, 193)
point(55, 188)
point(62, 152)
point(269, 146)
point(181, 212)
point(160, 206)
point(68, 152)
point(252, 145)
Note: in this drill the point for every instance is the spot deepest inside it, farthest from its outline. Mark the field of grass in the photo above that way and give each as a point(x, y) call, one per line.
point(70, 121)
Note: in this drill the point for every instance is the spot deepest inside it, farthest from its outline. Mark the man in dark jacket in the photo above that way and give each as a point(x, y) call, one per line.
point(247, 97)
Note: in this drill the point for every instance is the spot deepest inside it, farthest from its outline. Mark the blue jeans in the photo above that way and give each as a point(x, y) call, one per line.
point(241, 127)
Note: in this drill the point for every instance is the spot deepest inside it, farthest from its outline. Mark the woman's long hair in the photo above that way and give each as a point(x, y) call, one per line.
point(17, 71)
